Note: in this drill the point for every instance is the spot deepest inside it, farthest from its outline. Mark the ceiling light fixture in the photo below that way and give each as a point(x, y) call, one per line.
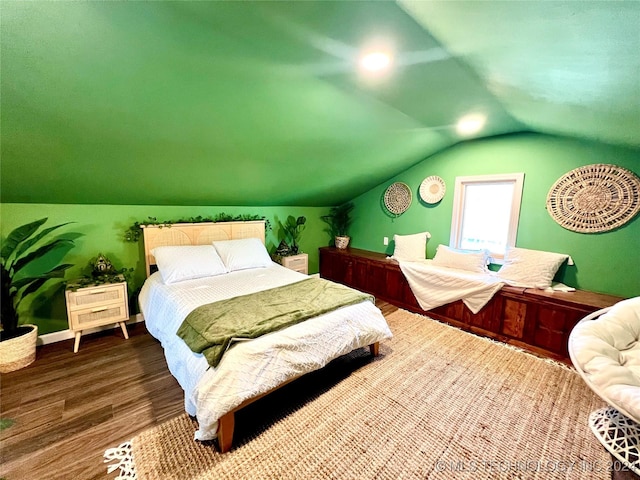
point(470, 124)
point(375, 61)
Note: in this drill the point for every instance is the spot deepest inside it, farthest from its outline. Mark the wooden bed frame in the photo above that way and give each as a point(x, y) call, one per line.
point(203, 234)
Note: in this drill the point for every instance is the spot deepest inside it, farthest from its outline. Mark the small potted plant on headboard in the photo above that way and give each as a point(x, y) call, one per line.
point(339, 220)
point(19, 250)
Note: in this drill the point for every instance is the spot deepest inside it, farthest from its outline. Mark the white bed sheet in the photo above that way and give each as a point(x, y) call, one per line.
point(250, 367)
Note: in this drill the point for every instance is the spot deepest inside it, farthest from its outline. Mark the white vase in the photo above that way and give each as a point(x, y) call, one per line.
point(342, 242)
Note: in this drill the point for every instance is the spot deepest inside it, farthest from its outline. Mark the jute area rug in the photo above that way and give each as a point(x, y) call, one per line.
point(437, 403)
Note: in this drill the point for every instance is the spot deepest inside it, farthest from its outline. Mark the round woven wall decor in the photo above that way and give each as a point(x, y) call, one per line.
point(594, 198)
point(397, 198)
point(432, 189)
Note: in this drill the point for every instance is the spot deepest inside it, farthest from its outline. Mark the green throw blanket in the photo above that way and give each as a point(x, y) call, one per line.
point(211, 329)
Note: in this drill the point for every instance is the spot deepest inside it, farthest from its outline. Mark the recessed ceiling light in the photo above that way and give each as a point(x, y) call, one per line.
point(470, 124)
point(375, 61)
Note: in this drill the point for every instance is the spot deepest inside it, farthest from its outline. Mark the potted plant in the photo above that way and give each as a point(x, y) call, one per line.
point(20, 249)
point(293, 228)
point(339, 220)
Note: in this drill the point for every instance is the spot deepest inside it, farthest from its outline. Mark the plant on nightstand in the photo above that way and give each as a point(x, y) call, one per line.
point(100, 271)
point(339, 220)
point(293, 228)
point(20, 249)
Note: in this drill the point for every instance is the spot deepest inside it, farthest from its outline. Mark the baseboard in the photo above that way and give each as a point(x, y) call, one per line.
point(68, 334)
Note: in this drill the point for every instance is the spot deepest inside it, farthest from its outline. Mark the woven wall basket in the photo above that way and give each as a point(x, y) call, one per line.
point(397, 198)
point(594, 198)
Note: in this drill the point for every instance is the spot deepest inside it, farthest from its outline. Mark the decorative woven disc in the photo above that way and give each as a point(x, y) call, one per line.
point(594, 198)
point(397, 198)
point(432, 189)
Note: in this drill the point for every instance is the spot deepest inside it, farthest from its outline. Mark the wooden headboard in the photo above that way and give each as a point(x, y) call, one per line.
point(196, 234)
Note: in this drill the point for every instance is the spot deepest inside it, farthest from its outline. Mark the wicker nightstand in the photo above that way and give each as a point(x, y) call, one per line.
point(299, 263)
point(95, 306)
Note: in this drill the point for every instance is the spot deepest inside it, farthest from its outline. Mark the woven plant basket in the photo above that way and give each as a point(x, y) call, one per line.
point(18, 352)
point(342, 242)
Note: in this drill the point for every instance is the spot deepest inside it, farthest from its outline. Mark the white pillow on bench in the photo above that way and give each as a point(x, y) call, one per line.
point(530, 268)
point(470, 260)
point(411, 248)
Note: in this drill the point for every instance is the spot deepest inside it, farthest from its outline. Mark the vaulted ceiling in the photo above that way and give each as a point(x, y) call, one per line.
point(242, 103)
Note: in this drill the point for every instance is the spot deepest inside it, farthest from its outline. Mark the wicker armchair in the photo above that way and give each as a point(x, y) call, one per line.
point(605, 349)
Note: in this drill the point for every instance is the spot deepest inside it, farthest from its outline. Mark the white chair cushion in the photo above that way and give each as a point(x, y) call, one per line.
point(607, 350)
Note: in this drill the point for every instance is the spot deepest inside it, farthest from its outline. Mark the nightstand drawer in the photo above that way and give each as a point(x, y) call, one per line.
point(95, 306)
point(299, 263)
point(97, 316)
point(295, 262)
point(85, 298)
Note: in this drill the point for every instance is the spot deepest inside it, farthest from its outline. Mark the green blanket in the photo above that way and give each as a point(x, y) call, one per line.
point(211, 329)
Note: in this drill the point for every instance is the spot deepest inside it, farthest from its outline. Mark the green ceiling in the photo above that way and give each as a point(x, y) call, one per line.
point(241, 103)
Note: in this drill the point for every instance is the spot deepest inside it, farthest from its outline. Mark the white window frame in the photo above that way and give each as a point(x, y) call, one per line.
point(459, 200)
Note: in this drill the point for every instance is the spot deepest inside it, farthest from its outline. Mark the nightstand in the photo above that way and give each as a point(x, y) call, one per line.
point(95, 306)
point(299, 263)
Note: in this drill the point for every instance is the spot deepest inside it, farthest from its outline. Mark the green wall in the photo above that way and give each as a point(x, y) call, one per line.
point(606, 262)
point(101, 229)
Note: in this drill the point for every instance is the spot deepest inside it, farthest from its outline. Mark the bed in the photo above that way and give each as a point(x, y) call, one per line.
point(249, 369)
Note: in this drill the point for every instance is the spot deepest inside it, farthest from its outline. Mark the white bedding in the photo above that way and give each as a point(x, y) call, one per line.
point(250, 367)
point(434, 286)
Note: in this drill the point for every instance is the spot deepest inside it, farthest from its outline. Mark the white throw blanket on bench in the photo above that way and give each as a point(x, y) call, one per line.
point(435, 286)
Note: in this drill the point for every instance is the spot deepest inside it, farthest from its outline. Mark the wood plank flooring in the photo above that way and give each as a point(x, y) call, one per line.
point(69, 408)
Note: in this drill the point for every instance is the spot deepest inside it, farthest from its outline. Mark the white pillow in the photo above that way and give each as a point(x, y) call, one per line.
point(530, 268)
point(186, 262)
point(411, 247)
point(243, 254)
point(470, 260)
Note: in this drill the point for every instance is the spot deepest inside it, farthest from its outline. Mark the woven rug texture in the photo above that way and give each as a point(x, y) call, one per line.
point(437, 403)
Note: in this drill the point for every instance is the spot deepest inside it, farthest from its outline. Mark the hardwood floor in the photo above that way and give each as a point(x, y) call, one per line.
point(69, 408)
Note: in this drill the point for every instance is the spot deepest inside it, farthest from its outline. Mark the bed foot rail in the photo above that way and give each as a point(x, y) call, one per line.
point(226, 423)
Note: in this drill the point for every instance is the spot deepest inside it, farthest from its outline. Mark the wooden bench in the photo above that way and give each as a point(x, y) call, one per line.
point(533, 319)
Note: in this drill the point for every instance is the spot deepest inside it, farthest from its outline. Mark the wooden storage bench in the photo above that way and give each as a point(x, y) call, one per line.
point(533, 319)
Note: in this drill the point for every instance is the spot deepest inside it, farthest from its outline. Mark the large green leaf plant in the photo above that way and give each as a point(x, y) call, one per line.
point(23, 246)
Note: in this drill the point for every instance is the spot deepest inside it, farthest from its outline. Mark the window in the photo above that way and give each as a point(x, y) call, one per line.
point(486, 210)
